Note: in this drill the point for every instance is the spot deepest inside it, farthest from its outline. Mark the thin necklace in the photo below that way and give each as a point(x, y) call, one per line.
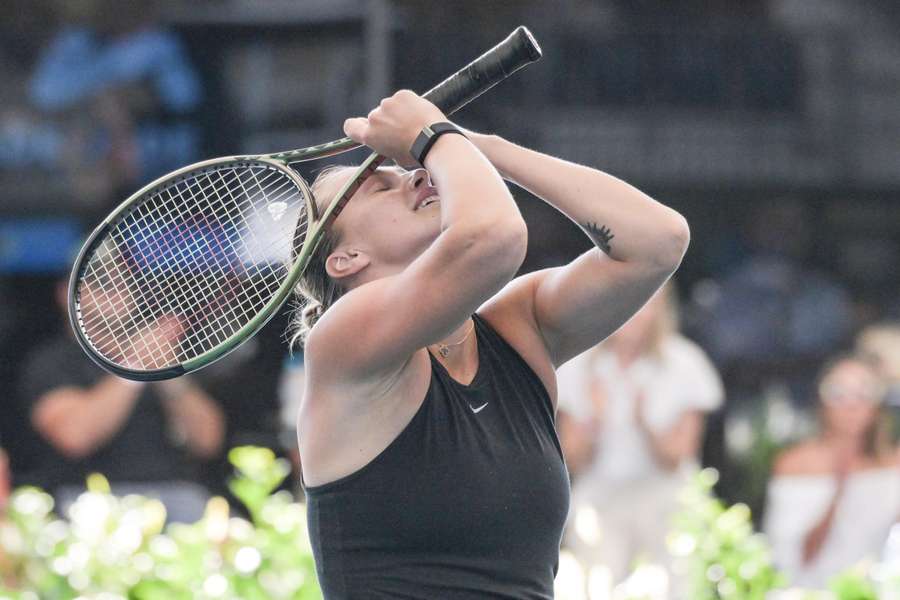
point(444, 349)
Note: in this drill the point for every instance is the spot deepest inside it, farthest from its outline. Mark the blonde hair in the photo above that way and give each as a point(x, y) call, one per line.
point(316, 291)
point(667, 322)
point(881, 343)
point(877, 437)
point(664, 324)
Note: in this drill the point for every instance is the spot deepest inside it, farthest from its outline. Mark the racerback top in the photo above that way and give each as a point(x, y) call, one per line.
point(468, 501)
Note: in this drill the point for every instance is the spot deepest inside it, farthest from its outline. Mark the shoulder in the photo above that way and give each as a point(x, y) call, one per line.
point(804, 458)
point(686, 353)
point(686, 363)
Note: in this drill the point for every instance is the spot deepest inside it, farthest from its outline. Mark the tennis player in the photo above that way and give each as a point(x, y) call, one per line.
point(431, 465)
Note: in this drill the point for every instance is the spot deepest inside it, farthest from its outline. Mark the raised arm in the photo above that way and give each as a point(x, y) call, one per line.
point(478, 247)
point(77, 421)
point(638, 244)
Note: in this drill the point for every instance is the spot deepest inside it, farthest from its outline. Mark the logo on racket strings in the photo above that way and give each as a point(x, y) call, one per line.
point(276, 209)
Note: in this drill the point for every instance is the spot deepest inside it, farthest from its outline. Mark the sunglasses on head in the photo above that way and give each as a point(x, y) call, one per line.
point(835, 394)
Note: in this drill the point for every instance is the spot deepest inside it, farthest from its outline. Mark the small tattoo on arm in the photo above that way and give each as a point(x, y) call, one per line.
point(601, 235)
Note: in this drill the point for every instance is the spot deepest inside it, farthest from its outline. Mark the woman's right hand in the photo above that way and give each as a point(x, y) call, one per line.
point(391, 129)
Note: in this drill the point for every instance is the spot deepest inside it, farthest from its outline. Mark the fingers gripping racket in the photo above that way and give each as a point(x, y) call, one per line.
point(196, 262)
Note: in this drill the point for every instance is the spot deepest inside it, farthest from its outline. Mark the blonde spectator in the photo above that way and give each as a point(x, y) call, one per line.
point(833, 498)
point(880, 343)
point(631, 420)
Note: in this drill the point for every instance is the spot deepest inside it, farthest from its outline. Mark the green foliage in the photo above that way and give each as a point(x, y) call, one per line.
point(853, 584)
point(114, 547)
point(718, 549)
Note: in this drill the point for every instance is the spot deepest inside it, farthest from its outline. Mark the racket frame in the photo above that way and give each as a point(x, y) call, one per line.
point(250, 328)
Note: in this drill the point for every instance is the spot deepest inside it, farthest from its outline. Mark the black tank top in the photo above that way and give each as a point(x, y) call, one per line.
point(468, 501)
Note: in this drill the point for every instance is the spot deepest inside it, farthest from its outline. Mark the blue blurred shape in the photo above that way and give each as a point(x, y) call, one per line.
point(38, 245)
point(196, 243)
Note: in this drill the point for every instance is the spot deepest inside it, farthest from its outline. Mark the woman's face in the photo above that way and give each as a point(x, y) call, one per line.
point(850, 394)
point(393, 217)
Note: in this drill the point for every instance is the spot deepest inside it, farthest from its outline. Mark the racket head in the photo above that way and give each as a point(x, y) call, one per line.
point(190, 266)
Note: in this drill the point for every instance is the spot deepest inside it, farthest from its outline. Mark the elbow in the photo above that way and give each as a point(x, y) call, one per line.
point(509, 244)
point(209, 445)
point(674, 241)
point(516, 239)
point(71, 443)
point(502, 245)
point(207, 449)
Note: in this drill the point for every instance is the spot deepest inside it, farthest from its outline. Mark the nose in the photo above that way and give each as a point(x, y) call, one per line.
point(417, 178)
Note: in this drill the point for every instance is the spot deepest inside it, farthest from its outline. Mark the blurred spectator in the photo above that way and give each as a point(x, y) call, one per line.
point(147, 438)
point(631, 420)
point(127, 87)
point(774, 307)
point(881, 344)
point(4, 480)
point(833, 498)
point(24, 139)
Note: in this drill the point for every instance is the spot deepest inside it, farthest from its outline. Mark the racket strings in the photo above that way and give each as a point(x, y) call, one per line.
point(190, 264)
point(202, 289)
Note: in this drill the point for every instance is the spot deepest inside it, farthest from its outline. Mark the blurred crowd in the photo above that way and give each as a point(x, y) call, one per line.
point(111, 98)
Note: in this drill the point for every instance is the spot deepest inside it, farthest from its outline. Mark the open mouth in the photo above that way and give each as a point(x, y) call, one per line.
point(429, 200)
point(426, 199)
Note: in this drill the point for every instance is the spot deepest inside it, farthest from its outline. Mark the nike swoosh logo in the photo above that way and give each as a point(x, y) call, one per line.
point(477, 410)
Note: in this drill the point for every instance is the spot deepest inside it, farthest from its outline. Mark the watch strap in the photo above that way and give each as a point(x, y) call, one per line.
point(428, 136)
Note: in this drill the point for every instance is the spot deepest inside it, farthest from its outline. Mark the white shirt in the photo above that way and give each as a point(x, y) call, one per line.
point(680, 379)
point(862, 520)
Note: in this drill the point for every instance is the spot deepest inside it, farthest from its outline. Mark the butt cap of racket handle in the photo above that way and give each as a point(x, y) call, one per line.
point(529, 45)
point(492, 67)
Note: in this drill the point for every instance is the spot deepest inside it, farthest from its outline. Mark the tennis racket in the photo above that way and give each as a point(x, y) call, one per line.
point(196, 262)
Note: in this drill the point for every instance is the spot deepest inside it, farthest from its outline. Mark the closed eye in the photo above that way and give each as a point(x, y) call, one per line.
point(380, 185)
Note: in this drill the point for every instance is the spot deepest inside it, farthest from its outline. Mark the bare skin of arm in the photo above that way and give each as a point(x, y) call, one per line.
point(803, 460)
point(679, 442)
point(77, 421)
point(366, 358)
point(371, 332)
point(578, 440)
point(815, 539)
point(639, 244)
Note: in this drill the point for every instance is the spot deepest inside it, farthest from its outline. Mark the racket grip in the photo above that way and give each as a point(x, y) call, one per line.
point(483, 73)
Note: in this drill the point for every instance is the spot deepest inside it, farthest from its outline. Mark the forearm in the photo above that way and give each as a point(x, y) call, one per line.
point(621, 220)
point(815, 539)
point(472, 192)
point(79, 421)
point(577, 440)
point(677, 443)
point(194, 415)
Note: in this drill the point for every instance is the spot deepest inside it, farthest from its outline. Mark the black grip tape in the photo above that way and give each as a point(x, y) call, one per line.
point(483, 73)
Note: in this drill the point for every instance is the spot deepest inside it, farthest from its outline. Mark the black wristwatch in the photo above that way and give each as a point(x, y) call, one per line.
point(427, 138)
